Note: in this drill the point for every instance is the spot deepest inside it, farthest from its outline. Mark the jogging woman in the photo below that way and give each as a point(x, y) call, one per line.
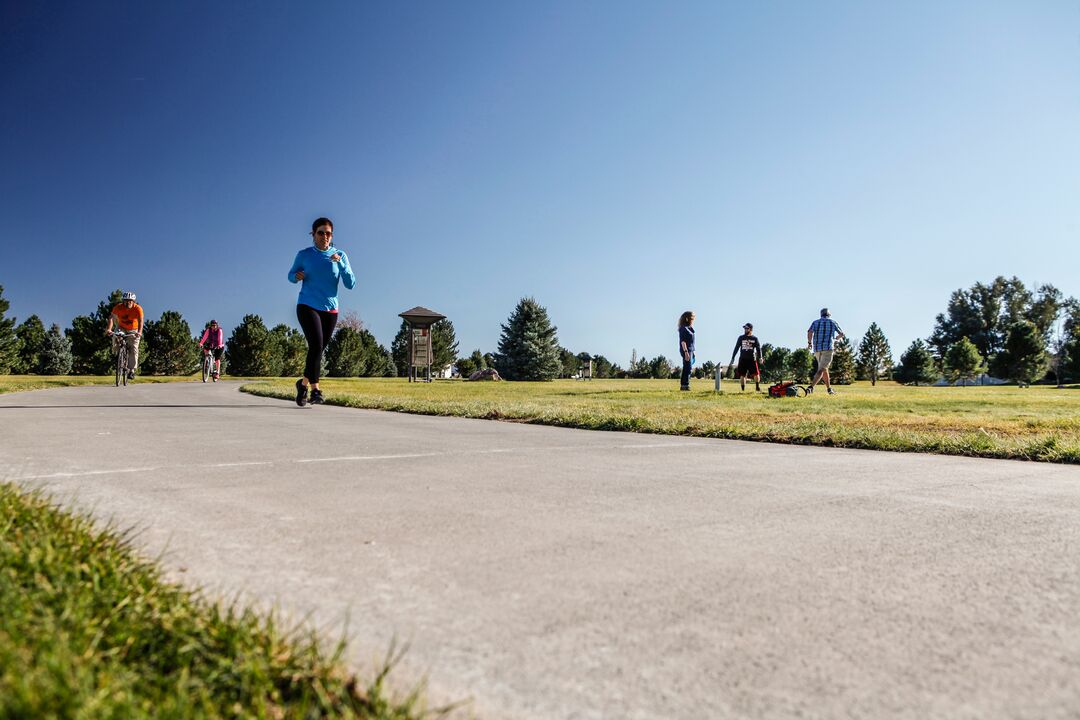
point(686, 347)
point(319, 267)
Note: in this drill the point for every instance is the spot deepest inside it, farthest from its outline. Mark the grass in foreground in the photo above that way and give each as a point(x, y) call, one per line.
point(90, 630)
point(1037, 423)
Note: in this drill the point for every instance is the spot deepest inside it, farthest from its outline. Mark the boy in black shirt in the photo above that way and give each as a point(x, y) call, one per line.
point(749, 351)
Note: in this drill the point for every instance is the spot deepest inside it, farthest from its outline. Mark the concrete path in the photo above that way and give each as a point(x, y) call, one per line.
point(550, 573)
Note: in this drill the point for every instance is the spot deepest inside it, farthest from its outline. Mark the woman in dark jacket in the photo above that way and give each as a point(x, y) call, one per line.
point(686, 347)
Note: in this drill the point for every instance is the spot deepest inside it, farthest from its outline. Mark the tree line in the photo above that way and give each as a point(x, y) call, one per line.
point(1000, 327)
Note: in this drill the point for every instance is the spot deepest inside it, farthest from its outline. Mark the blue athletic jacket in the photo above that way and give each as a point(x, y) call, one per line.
point(321, 276)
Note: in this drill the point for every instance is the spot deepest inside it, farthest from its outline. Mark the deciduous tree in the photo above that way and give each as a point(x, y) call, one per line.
point(963, 361)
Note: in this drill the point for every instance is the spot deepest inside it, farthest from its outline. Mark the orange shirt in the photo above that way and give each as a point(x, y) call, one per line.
point(129, 319)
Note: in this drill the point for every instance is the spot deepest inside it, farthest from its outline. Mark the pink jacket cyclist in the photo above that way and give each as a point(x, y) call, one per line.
point(213, 341)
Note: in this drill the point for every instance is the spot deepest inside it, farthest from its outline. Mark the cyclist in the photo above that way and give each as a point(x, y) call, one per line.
point(129, 316)
point(213, 341)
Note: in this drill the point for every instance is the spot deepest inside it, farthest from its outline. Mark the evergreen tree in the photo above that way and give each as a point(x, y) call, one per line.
point(31, 337)
point(399, 349)
point(875, 355)
point(640, 369)
point(800, 365)
point(1023, 359)
point(170, 348)
point(355, 353)
point(249, 351)
point(569, 363)
point(916, 366)
point(91, 351)
point(345, 354)
point(602, 367)
point(661, 368)
point(963, 361)
point(290, 353)
point(9, 343)
point(842, 371)
point(529, 345)
point(708, 369)
point(444, 345)
point(55, 353)
point(774, 363)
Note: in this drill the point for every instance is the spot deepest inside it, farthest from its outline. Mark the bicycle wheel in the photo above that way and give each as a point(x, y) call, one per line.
point(123, 366)
point(207, 364)
point(119, 366)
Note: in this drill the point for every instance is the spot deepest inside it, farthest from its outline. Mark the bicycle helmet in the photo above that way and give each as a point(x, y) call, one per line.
point(128, 296)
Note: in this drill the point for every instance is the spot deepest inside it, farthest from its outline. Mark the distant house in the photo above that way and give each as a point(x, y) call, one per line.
point(982, 379)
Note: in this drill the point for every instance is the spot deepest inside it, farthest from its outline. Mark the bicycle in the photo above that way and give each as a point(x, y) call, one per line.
point(121, 356)
point(208, 365)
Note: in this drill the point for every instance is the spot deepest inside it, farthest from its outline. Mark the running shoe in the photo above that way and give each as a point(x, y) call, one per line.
point(316, 397)
point(833, 392)
point(131, 374)
point(301, 393)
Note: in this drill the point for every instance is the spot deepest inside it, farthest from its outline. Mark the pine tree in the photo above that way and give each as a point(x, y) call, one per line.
point(9, 343)
point(399, 349)
point(916, 366)
point(661, 368)
point(569, 363)
point(290, 353)
point(444, 345)
point(529, 345)
point(55, 356)
point(170, 348)
point(842, 371)
point(1023, 359)
point(963, 361)
point(875, 355)
point(250, 351)
point(355, 353)
point(31, 337)
point(91, 351)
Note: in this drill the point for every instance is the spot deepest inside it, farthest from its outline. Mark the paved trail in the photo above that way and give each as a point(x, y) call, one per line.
point(551, 573)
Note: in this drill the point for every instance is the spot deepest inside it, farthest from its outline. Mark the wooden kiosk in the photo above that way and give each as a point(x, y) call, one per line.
point(420, 320)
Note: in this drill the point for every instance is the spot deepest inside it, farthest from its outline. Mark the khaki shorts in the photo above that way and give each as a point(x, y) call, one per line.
point(824, 359)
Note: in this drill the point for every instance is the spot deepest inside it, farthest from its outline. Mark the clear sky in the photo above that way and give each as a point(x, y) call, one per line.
point(620, 162)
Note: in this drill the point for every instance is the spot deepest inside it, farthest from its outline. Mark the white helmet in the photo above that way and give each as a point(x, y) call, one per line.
point(128, 296)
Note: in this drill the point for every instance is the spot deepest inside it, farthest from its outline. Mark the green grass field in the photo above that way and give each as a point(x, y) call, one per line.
point(88, 629)
point(1037, 423)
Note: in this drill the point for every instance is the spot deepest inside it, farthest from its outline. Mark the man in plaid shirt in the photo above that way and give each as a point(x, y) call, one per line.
point(819, 338)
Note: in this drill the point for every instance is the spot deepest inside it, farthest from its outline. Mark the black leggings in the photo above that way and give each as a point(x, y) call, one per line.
point(318, 326)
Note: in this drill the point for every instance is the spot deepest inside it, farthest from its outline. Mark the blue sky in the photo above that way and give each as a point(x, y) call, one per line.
point(619, 162)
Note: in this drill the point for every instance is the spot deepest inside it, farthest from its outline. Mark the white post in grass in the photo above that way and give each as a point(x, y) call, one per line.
point(718, 374)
